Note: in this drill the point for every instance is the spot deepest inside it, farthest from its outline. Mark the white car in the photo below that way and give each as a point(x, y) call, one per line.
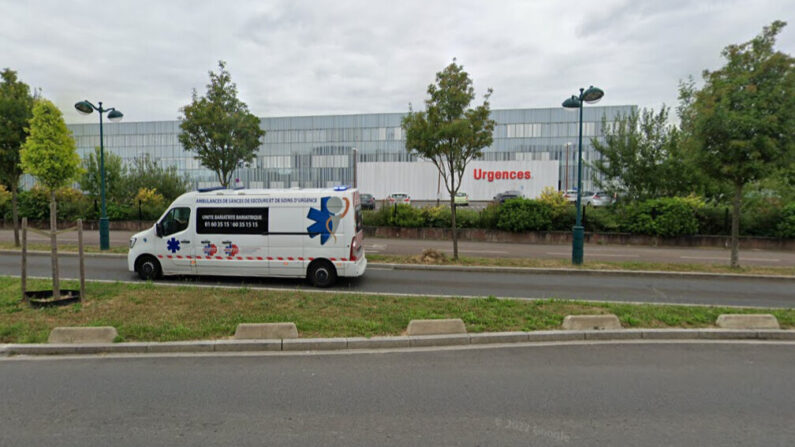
point(601, 198)
point(399, 197)
point(571, 196)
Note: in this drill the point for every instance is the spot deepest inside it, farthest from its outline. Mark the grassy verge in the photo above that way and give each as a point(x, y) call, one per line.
point(591, 265)
point(149, 312)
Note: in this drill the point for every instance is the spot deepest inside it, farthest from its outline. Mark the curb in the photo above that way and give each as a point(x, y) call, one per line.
point(492, 269)
point(567, 271)
point(397, 342)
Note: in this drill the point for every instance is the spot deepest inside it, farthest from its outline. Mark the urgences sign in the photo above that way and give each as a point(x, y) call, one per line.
point(490, 176)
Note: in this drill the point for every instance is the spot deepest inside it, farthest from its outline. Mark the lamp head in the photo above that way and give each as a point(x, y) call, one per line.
point(593, 95)
point(115, 115)
point(572, 103)
point(84, 107)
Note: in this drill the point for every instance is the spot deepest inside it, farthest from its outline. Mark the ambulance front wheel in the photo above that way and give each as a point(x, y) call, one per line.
point(148, 268)
point(322, 273)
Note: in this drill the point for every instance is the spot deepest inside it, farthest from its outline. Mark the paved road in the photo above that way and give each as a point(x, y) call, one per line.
point(606, 394)
point(593, 252)
point(614, 287)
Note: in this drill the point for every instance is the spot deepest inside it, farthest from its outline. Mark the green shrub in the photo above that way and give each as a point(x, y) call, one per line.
point(714, 219)
point(524, 215)
point(465, 218)
point(489, 216)
point(600, 219)
point(760, 215)
point(406, 216)
point(786, 225)
point(436, 216)
point(376, 218)
point(674, 216)
point(72, 204)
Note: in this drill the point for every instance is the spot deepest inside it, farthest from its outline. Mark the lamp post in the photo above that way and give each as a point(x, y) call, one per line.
point(355, 160)
point(85, 107)
point(568, 146)
point(592, 95)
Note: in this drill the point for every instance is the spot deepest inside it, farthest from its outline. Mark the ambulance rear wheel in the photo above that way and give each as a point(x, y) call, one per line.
point(322, 273)
point(148, 268)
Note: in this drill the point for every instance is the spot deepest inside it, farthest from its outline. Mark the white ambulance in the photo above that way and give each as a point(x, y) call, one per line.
point(303, 233)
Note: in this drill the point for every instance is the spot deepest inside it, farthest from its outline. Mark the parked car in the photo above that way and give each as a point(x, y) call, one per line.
point(503, 196)
point(399, 197)
point(601, 198)
point(368, 201)
point(461, 199)
point(571, 196)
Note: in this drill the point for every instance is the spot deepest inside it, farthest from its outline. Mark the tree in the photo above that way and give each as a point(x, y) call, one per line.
point(219, 128)
point(743, 118)
point(16, 109)
point(642, 158)
point(50, 155)
point(145, 172)
point(448, 133)
point(115, 174)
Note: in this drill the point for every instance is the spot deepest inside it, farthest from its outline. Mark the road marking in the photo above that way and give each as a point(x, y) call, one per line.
point(476, 251)
point(374, 246)
point(556, 253)
point(723, 258)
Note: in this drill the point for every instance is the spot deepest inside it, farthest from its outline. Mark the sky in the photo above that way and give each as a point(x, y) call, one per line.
point(297, 57)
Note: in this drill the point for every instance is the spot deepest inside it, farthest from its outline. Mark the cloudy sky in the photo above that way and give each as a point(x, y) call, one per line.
point(298, 57)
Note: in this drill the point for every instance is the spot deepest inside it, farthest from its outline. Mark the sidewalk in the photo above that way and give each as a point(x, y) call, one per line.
point(593, 252)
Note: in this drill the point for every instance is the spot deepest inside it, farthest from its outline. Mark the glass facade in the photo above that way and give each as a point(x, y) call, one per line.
point(318, 151)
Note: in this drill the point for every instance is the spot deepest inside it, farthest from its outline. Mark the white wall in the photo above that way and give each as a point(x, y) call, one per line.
point(419, 179)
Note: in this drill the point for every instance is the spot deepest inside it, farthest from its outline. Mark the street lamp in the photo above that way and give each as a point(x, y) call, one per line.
point(85, 107)
point(591, 96)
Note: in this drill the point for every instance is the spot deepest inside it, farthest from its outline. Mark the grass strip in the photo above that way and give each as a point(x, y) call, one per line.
point(150, 312)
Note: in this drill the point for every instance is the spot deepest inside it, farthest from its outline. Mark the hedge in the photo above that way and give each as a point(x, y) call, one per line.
point(666, 217)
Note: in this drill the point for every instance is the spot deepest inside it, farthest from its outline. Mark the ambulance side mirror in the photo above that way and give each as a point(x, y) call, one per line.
point(159, 229)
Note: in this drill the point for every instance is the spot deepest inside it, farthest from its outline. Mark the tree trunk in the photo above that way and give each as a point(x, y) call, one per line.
point(452, 224)
point(15, 213)
point(56, 285)
point(735, 238)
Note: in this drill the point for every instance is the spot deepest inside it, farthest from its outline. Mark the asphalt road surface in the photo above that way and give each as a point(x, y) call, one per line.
point(593, 252)
point(614, 287)
point(578, 394)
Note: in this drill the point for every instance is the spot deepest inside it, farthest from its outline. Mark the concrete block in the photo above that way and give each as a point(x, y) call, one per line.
point(436, 327)
point(259, 331)
point(378, 342)
point(774, 335)
point(439, 340)
point(314, 344)
point(4, 351)
point(624, 334)
point(248, 345)
point(727, 334)
point(181, 346)
point(747, 321)
point(497, 337)
point(552, 336)
point(102, 334)
point(591, 322)
point(670, 334)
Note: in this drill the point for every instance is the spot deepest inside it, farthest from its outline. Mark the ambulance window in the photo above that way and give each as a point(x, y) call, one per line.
point(358, 218)
point(176, 220)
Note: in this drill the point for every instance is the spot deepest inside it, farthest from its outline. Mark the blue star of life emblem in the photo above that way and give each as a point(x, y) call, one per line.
point(172, 245)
